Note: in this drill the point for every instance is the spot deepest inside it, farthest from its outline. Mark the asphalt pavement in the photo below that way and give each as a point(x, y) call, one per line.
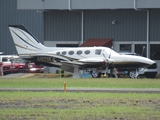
point(15, 75)
point(107, 90)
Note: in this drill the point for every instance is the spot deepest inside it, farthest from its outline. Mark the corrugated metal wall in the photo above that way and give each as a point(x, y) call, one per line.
point(130, 25)
point(62, 25)
point(155, 25)
point(66, 25)
point(9, 14)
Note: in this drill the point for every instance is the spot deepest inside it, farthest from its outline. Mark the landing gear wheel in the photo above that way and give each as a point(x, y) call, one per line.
point(132, 74)
point(95, 74)
point(112, 74)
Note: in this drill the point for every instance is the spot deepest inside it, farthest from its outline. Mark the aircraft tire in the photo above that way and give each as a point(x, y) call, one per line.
point(95, 74)
point(132, 74)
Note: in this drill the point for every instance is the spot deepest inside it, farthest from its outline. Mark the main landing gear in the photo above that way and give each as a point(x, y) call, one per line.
point(134, 73)
point(95, 74)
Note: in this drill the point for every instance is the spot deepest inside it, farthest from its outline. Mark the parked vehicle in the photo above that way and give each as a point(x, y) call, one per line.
point(6, 63)
point(149, 72)
point(22, 65)
point(17, 65)
point(33, 68)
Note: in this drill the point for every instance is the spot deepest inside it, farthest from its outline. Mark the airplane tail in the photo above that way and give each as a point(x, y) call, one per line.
point(25, 42)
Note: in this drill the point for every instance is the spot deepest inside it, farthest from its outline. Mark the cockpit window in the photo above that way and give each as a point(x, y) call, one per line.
point(98, 51)
point(87, 52)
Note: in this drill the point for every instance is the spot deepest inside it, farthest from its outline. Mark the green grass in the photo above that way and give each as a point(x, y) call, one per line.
point(79, 106)
point(89, 82)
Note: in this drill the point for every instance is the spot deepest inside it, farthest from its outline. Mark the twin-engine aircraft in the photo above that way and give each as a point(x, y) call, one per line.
point(95, 59)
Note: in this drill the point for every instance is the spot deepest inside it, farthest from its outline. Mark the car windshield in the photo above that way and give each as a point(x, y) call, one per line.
point(18, 61)
point(128, 53)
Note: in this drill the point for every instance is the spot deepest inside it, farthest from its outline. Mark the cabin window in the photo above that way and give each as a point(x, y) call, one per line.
point(71, 52)
point(87, 52)
point(58, 53)
point(79, 52)
point(64, 52)
point(98, 51)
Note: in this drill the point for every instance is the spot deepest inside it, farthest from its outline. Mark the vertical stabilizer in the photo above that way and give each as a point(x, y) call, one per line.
point(25, 42)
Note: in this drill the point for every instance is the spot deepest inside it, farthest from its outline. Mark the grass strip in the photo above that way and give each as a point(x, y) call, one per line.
point(79, 83)
point(79, 106)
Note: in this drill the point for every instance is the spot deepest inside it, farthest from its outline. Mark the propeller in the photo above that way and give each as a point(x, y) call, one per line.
point(109, 62)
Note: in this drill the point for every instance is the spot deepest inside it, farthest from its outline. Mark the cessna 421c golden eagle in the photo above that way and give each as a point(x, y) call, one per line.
point(73, 59)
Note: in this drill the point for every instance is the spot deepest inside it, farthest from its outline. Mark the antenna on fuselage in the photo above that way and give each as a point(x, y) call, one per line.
point(143, 50)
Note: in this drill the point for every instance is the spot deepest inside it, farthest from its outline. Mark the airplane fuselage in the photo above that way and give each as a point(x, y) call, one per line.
point(88, 55)
point(72, 59)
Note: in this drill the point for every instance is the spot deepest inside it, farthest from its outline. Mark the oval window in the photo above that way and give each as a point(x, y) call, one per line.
point(64, 52)
point(87, 52)
point(79, 52)
point(71, 52)
point(58, 53)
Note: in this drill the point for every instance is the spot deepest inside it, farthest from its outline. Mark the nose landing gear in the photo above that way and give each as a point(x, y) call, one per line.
point(134, 74)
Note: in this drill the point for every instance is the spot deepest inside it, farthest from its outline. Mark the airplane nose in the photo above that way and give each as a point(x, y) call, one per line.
point(149, 62)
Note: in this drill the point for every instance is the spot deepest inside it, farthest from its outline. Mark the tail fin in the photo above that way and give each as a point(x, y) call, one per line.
point(25, 42)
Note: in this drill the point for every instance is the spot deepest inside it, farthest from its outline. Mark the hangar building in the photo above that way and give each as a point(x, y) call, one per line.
point(132, 25)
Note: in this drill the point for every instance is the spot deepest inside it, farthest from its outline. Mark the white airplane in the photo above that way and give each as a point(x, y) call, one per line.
point(95, 59)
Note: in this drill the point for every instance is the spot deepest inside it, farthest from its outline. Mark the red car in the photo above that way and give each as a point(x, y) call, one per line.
point(33, 68)
point(12, 67)
point(21, 66)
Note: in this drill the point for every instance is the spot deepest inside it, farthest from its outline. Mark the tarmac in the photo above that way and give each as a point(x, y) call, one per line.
point(15, 75)
point(107, 90)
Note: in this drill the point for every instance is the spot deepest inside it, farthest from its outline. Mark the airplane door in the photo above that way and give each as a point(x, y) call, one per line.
point(105, 54)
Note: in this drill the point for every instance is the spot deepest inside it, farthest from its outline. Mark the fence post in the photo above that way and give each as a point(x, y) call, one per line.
point(65, 85)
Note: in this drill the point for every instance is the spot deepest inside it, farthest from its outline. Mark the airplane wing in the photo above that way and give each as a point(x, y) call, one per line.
point(69, 66)
point(95, 62)
point(51, 60)
point(67, 63)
